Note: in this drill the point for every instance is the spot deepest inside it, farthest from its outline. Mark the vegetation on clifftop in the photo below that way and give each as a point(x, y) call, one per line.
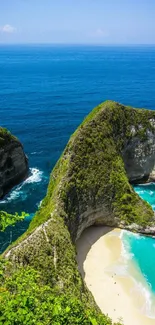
point(26, 300)
point(6, 137)
point(90, 176)
point(91, 170)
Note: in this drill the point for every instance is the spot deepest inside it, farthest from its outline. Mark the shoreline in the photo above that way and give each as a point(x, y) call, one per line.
point(99, 252)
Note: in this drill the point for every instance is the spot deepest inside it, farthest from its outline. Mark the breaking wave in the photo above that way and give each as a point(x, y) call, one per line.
point(35, 176)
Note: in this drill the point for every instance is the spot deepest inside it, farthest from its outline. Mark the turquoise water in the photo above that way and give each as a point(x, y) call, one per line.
point(147, 193)
point(143, 247)
point(141, 250)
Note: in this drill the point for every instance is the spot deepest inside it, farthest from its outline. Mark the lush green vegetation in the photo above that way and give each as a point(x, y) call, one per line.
point(91, 169)
point(96, 173)
point(126, 204)
point(88, 170)
point(89, 174)
point(7, 219)
point(26, 300)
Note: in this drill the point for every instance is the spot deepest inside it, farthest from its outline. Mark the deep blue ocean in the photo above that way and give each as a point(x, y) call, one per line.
point(46, 91)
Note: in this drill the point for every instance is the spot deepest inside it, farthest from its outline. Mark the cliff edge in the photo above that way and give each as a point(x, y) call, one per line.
point(91, 185)
point(13, 162)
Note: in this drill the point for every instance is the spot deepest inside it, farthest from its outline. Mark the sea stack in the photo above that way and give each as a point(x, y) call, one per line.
point(13, 162)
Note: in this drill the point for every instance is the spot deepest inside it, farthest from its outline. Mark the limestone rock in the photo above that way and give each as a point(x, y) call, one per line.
point(13, 162)
point(139, 157)
point(90, 184)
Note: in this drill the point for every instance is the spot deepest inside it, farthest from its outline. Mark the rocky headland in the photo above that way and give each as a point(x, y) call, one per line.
point(90, 185)
point(13, 162)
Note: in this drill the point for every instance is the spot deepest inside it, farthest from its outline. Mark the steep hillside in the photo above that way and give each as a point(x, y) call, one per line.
point(90, 184)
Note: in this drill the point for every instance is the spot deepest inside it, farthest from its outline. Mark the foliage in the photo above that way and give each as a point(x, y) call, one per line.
point(25, 300)
point(89, 174)
point(7, 219)
point(126, 203)
point(88, 167)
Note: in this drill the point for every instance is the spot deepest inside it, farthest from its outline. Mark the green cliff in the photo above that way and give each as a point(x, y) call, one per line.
point(90, 184)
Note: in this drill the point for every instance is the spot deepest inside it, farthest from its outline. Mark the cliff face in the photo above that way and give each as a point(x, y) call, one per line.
point(90, 185)
point(13, 162)
point(139, 157)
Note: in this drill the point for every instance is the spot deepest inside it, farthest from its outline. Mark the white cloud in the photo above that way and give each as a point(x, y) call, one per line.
point(100, 33)
point(7, 29)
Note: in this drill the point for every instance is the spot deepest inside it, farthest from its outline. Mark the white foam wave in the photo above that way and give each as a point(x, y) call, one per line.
point(36, 152)
point(124, 268)
point(35, 177)
point(139, 192)
point(146, 184)
point(137, 236)
point(121, 267)
point(131, 234)
point(14, 195)
point(140, 288)
point(125, 252)
point(39, 204)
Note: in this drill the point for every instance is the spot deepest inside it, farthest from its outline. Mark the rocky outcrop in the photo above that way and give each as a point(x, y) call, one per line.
point(90, 184)
point(13, 162)
point(139, 157)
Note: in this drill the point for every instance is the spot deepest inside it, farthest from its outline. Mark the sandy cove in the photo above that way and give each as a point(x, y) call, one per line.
point(97, 250)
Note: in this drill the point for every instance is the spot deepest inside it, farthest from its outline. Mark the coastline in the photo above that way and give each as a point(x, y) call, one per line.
point(99, 250)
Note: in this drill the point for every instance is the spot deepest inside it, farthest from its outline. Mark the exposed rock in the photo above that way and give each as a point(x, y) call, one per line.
point(13, 162)
point(90, 185)
point(152, 176)
point(139, 157)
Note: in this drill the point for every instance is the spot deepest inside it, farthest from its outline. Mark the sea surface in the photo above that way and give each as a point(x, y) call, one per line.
point(45, 92)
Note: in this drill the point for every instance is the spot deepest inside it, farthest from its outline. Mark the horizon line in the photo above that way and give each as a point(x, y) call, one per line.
point(77, 44)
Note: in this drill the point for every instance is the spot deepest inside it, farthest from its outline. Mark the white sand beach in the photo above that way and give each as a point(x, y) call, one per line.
point(98, 250)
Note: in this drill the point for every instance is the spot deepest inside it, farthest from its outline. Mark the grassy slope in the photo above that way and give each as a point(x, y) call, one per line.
point(89, 172)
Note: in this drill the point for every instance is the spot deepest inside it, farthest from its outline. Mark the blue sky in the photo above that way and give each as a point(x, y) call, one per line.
point(77, 21)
